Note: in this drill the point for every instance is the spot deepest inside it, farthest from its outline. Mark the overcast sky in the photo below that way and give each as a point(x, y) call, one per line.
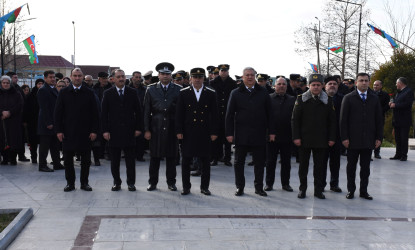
point(137, 35)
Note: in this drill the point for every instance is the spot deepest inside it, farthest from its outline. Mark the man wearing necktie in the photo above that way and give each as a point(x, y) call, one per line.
point(361, 130)
point(402, 118)
point(159, 119)
point(76, 125)
point(121, 124)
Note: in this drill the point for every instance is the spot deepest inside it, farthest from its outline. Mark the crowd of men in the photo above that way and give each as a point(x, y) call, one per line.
point(195, 119)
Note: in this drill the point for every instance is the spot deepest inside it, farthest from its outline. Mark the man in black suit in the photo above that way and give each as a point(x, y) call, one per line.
point(121, 124)
point(384, 103)
point(76, 124)
point(159, 118)
point(402, 117)
point(46, 97)
point(196, 125)
point(314, 130)
point(361, 130)
point(223, 85)
point(248, 118)
point(282, 106)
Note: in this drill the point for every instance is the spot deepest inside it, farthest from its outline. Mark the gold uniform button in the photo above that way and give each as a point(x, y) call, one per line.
point(194, 120)
point(189, 105)
point(205, 106)
point(201, 120)
point(201, 113)
point(194, 112)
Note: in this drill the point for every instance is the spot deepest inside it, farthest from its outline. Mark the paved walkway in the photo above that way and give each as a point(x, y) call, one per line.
point(162, 219)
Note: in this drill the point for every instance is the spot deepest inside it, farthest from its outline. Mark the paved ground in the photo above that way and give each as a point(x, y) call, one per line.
point(162, 219)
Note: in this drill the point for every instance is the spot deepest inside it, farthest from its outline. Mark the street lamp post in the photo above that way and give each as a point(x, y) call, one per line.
point(73, 22)
point(360, 28)
point(318, 46)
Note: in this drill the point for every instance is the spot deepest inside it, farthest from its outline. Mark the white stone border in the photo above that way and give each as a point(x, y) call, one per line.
point(16, 226)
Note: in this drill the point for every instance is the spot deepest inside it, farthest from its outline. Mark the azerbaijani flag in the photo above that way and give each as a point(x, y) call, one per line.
point(29, 43)
point(314, 67)
point(10, 18)
point(336, 49)
point(384, 35)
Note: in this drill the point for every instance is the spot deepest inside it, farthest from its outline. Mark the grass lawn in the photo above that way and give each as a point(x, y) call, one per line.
point(5, 220)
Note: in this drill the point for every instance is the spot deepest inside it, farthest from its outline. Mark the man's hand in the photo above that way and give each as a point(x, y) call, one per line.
point(229, 139)
point(137, 133)
point(297, 142)
point(346, 143)
point(392, 105)
point(60, 136)
point(49, 126)
point(213, 137)
point(5, 114)
point(180, 136)
point(147, 135)
point(378, 143)
point(331, 143)
point(107, 136)
point(271, 137)
point(92, 136)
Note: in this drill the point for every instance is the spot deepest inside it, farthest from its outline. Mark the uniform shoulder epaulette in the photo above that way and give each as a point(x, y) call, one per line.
point(208, 88)
point(299, 95)
point(178, 85)
point(187, 88)
point(153, 84)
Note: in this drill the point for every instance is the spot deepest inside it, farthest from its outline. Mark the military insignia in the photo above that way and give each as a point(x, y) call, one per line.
point(315, 77)
point(166, 68)
point(259, 76)
point(198, 71)
point(178, 75)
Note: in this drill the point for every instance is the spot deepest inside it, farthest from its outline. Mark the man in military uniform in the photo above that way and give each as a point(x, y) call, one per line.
point(147, 78)
point(293, 88)
point(178, 78)
point(384, 103)
point(196, 125)
point(159, 119)
point(223, 85)
point(350, 84)
point(262, 80)
point(314, 130)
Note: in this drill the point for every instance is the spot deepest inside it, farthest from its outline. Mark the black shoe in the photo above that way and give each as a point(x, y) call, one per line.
point(239, 192)
point(350, 195)
point(69, 188)
point(251, 163)
point(151, 187)
point(261, 192)
point(267, 188)
point(395, 158)
point(185, 191)
point(336, 189)
point(301, 195)
point(205, 191)
point(58, 167)
point(4, 163)
point(172, 187)
point(86, 187)
point(196, 173)
point(141, 159)
point(377, 156)
point(34, 161)
point(13, 163)
point(371, 159)
point(116, 187)
point(131, 188)
point(97, 163)
point(320, 195)
point(45, 169)
point(228, 163)
point(214, 163)
point(287, 188)
point(404, 158)
point(366, 196)
point(23, 159)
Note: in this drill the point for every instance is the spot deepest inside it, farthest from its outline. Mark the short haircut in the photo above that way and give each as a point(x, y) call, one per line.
point(11, 73)
point(363, 74)
point(76, 69)
point(6, 77)
point(39, 80)
point(136, 72)
point(115, 71)
point(25, 86)
point(59, 75)
point(403, 80)
point(249, 68)
point(285, 80)
point(48, 72)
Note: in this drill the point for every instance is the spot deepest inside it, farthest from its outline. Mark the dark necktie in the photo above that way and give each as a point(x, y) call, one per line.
point(363, 96)
point(316, 97)
point(121, 94)
point(250, 89)
point(76, 90)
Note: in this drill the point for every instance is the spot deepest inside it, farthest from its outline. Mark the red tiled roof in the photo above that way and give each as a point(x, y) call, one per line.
point(93, 70)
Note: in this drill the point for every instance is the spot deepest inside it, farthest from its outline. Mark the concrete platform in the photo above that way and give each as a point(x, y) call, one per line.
point(163, 219)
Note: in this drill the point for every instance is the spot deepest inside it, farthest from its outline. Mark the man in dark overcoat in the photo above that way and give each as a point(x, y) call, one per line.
point(159, 118)
point(76, 125)
point(137, 84)
point(361, 130)
point(314, 130)
point(121, 124)
point(282, 106)
point(384, 99)
point(46, 97)
point(223, 84)
point(402, 117)
point(247, 120)
point(196, 125)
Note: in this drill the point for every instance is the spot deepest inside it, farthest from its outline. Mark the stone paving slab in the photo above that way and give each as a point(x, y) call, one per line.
point(166, 220)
